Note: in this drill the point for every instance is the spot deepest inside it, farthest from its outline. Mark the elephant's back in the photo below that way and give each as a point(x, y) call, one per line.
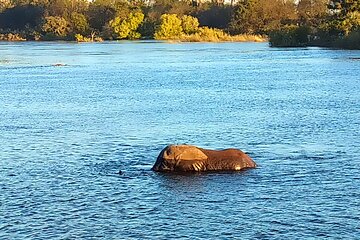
point(229, 159)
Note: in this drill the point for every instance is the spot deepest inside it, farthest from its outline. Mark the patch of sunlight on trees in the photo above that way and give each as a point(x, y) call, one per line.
point(14, 37)
point(126, 28)
point(170, 27)
point(55, 27)
point(187, 29)
point(81, 38)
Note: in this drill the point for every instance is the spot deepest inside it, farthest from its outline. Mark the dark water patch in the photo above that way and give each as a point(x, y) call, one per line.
point(354, 58)
point(26, 67)
point(13, 128)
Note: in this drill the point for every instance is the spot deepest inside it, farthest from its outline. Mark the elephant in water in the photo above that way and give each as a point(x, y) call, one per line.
point(187, 158)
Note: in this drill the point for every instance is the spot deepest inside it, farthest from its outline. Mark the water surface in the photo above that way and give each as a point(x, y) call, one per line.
point(73, 115)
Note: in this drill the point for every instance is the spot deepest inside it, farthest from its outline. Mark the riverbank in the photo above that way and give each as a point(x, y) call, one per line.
point(11, 37)
point(212, 37)
point(295, 36)
point(222, 38)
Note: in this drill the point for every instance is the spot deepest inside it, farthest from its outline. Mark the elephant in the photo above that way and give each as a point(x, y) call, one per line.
point(188, 158)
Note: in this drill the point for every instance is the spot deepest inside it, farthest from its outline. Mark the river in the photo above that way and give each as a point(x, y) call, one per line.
point(73, 115)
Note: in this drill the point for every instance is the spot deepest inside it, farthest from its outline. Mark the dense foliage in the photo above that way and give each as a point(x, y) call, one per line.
point(287, 22)
point(334, 23)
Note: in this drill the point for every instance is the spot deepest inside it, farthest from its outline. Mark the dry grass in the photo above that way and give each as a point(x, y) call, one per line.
point(80, 38)
point(248, 38)
point(228, 38)
point(215, 35)
point(14, 37)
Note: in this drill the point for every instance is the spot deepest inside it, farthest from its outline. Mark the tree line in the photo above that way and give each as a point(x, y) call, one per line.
point(286, 22)
point(335, 24)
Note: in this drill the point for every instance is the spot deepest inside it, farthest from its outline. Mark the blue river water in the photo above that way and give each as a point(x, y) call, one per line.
point(73, 115)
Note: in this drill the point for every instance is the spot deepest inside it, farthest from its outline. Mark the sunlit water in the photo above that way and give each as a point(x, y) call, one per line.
point(73, 115)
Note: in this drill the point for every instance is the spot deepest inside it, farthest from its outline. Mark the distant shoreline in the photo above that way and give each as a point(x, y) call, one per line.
point(242, 38)
point(184, 39)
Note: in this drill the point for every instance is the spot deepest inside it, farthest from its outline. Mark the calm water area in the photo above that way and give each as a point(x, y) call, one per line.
point(73, 115)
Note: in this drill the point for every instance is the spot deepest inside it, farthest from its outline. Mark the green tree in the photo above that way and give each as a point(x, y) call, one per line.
point(170, 27)
point(304, 11)
point(189, 24)
point(64, 8)
point(351, 22)
point(215, 15)
point(21, 17)
point(262, 16)
point(127, 28)
point(311, 12)
point(55, 27)
point(180, 8)
point(290, 36)
point(243, 17)
point(100, 14)
point(342, 7)
point(79, 23)
point(345, 17)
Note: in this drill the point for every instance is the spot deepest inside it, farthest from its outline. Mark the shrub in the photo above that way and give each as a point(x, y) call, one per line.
point(11, 37)
point(169, 28)
point(189, 24)
point(81, 38)
point(351, 41)
point(127, 28)
point(351, 22)
point(55, 27)
point(290, 36)
point(79, 23)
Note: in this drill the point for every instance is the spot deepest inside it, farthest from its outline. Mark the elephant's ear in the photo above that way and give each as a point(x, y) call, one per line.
point(183, 153)
point(159, 164)
point(191, 153)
